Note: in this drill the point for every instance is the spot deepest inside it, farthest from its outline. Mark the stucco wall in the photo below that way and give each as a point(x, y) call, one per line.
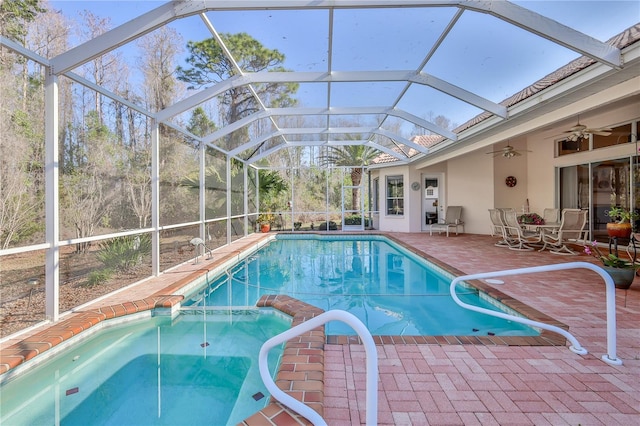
point(470, 184)
point(514, 197)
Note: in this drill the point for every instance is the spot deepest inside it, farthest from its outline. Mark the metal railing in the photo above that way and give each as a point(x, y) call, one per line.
point(372, 365)
point(610, 357)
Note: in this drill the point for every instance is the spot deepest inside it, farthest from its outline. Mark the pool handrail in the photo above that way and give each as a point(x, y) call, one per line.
point(315, 322)
point(610, 357)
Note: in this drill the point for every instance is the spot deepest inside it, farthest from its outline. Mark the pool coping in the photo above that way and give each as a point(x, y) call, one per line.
point(301, 373)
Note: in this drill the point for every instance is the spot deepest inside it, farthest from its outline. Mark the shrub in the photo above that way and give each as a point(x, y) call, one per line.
point(122, 253)
point(99, 277)
point(332, 226)
point(356, 220)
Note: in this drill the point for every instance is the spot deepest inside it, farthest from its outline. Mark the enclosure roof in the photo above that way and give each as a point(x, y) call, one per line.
point(372, 72)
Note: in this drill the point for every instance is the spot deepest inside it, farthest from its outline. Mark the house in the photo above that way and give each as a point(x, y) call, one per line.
point(553, 163)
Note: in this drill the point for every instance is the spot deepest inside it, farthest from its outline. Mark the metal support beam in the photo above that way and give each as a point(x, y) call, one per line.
point(202, 176)
point(228, 184)
point(52, 195)
point(155, 198)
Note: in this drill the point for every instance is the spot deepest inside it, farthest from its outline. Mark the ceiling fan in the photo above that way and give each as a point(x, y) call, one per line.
point(580, 131)
point(508, 152)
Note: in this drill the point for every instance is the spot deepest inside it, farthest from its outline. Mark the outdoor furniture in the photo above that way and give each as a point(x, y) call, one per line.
point(517, 236)
point(572, 229)
point(497, 227)
point(551, 215)
point(452, 219)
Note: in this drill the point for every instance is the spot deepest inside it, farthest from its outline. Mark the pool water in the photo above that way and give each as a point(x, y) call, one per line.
point(391, 290)
point(200, 368)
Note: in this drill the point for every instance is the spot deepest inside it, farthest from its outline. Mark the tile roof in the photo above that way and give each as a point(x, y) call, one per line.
point(422, 140)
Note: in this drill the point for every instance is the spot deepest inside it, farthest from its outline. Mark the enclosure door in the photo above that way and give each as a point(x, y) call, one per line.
point(352, 205)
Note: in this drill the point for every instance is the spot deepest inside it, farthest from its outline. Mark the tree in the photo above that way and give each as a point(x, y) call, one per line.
point(354, 157)
point(105, 70)
point(15, 14)
point(200, 124)
point(157, 63)
point(210, 65)
point(87, 192)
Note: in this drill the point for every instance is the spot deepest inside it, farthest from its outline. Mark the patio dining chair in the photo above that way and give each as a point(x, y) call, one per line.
point(452, 219)
point(572, 230)
point(551, 215)
point(518, 237)
point(497, 227)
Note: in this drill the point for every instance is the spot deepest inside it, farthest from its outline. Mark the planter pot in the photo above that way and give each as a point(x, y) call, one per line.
point(265, 227)
point(622, 278)
point(619, 230)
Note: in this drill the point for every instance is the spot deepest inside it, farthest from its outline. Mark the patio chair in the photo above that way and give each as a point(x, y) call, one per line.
point(572, 229)
point(551, 215)
point(452, 219)
point(516, 236)
point(497, 227)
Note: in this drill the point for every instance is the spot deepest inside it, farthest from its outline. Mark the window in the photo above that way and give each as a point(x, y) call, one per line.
point(395, 195)
point(618, 135)
point(566, 146)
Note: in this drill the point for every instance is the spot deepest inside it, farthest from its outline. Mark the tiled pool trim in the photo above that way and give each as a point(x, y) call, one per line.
point(60, 332)
point(301, 372)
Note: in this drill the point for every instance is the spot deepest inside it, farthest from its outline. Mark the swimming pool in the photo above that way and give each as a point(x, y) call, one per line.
point(199, 368)
point(390, 289)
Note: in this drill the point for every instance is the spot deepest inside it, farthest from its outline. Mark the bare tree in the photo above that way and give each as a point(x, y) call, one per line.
point(158, 63)
point(105, 70)
point(88, 192)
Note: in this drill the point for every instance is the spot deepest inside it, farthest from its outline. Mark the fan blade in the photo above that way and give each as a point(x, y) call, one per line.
point(495, 152)
point(600, 133)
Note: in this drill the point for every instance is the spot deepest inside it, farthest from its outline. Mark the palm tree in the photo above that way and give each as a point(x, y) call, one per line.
point(355, 157)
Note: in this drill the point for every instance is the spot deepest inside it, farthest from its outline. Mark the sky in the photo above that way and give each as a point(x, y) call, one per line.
point(482, 54)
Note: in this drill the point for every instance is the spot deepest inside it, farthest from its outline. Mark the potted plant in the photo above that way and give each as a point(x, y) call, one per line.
point(265, 220)
point(621, 217)
point(621, 270)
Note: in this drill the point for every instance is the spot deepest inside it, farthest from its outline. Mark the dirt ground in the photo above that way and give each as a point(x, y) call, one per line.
point(22, 282)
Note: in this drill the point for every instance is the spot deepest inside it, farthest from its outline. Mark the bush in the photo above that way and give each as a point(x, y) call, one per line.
point(99, 277)
point(356, 220)
point(332, 226)
point(122, 253)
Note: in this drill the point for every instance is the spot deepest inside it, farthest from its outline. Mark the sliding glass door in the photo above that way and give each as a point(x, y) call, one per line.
point(598, 186)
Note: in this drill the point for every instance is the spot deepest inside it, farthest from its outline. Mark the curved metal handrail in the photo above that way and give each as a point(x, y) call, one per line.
point(370, 351)
point(609, 357)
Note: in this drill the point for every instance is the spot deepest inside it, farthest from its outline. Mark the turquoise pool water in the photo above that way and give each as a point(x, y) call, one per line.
point(391, 290)
point(200, 368)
